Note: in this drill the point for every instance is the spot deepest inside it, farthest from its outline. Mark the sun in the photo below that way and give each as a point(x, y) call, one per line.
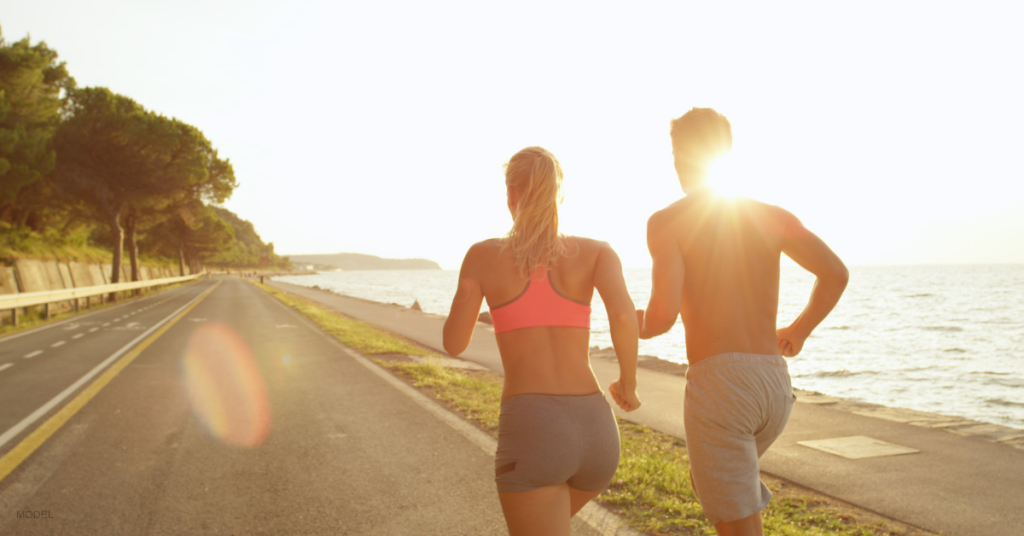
point(725, 176)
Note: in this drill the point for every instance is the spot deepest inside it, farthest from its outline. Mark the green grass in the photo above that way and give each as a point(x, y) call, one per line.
point(17, 242)
point(651, 489)
point(478, 397)
point(360, 336)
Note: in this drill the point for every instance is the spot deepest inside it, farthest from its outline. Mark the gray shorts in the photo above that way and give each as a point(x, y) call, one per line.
point(736, 405)
point(551, 439)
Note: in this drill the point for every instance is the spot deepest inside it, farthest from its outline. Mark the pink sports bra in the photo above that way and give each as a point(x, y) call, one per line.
point(540, 305)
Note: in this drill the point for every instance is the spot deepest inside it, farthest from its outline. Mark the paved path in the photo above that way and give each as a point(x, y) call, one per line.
point(955, 485)
point(346, 451)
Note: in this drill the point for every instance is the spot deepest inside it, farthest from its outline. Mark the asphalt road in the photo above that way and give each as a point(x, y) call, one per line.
point(240, 418)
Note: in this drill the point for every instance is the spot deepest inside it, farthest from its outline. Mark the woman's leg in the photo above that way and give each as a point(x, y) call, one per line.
point(542, 512)
point(578, 499)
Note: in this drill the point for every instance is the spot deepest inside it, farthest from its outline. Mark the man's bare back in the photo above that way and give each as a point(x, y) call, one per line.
point(716, 263)
point(729, 249)
point(727, 252)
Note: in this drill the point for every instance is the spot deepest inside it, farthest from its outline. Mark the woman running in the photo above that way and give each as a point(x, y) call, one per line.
point(558, 444)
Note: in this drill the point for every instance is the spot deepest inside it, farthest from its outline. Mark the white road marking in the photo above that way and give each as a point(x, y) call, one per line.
point(45, 408)
point(58, 343)
point(106, 324)
point(33, 354)
point(6, 366)
point(61, 323)
point(116, 320)
point(79, 336)
point(93, 329)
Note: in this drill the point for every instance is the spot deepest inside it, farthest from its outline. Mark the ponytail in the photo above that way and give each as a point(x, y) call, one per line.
point(534, 239)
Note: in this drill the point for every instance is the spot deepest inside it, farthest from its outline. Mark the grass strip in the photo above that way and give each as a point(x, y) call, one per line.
point(651, 489)
point(361, 336)
point(476, 396)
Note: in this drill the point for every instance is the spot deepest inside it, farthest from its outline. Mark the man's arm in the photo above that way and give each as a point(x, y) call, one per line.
point(810, 252)
point(666, 278)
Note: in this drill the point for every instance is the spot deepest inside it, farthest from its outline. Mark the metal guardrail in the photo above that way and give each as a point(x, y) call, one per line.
point(27, 299)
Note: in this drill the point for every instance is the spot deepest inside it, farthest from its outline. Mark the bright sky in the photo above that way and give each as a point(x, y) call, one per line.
point(892, 129)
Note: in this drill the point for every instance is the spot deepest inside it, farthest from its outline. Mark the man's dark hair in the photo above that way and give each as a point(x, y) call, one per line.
point(702, 133)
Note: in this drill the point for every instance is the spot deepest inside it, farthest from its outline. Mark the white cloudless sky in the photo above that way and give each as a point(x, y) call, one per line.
point(894, 130)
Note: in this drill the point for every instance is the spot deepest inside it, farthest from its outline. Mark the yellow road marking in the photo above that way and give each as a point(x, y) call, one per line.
point(18, 454)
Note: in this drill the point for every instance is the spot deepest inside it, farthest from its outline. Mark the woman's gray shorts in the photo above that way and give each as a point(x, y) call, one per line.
point(551, 439)
point(735, 406)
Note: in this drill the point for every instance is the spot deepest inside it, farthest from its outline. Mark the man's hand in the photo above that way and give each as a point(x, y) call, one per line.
point(790, 342)
point(626, 399)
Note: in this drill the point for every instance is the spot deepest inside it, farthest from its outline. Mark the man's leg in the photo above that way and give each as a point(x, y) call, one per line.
point(748, 526)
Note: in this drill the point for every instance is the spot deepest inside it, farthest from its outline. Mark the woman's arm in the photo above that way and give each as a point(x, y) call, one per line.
point(622, 320)
point(458, 328)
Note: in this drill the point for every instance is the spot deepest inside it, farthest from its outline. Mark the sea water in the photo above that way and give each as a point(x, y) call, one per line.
point(942, 339)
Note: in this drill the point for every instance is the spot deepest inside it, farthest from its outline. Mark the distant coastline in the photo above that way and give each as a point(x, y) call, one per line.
point(359, 261)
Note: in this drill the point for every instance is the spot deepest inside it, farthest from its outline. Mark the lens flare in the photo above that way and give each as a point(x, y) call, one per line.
point(225, 387)
point(724, 176)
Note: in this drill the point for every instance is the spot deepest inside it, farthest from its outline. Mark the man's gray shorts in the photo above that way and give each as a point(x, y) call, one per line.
point(736, 405)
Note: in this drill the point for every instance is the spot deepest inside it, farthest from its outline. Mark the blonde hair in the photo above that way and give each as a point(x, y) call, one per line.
point(535, 174)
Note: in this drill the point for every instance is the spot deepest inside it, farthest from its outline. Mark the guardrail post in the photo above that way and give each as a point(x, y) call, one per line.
point(47, 310)
point(14, 316)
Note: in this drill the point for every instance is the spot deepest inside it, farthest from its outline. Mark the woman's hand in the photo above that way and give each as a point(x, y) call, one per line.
point(625, 398)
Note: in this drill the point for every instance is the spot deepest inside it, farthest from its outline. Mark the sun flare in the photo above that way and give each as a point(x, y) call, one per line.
point(725, 177)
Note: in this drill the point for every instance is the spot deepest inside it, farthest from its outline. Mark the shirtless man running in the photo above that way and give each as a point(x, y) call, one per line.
point(716, 262)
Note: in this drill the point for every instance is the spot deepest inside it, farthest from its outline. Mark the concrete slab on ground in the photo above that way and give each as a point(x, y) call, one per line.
point(858, 447)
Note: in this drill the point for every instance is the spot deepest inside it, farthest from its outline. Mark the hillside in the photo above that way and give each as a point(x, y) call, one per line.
point(358, 261)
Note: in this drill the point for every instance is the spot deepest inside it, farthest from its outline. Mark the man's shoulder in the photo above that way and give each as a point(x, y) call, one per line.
point(773, 212)
point(671, 212)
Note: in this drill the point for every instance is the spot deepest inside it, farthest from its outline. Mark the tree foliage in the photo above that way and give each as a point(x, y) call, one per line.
point(247, 248)
point(33, 87)
point(117, 159)
point(87, 162)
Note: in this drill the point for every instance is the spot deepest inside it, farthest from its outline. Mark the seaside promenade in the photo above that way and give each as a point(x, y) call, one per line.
point(953, 476)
